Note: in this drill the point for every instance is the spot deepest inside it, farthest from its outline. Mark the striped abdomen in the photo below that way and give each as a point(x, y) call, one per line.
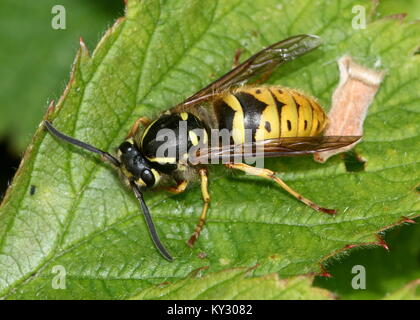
point(268, 113)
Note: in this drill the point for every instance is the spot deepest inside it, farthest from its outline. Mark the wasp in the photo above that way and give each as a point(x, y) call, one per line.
point(262, 121)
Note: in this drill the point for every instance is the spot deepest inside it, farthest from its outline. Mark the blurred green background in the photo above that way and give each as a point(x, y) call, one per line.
point(34, 69)
point(36, 61)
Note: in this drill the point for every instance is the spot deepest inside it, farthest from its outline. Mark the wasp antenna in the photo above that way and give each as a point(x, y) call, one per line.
point(80, 144)
point(150, 224)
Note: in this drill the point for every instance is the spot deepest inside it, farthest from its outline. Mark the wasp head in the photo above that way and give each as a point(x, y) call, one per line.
point(135, 167)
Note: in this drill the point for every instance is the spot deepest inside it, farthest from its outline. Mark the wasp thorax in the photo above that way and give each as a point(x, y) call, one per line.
point(135, 167)
point(167, 141)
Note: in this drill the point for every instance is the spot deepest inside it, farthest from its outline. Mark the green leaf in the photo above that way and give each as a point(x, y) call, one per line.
point(36, 57)
point(409, 7)
point(83, 219)
point(409, 292)
point(234, 284)
point(386, 271)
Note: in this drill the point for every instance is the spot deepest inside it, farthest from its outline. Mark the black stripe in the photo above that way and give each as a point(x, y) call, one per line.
point(321, 118)
point(252, 109)
point(297, 105)
point(279, 106)
point(225, 115)
point(313, 124)
point(312, 114)
point(297, 112)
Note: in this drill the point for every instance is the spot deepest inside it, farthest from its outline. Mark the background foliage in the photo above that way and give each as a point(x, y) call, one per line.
point(36, 59)
point(81, 218)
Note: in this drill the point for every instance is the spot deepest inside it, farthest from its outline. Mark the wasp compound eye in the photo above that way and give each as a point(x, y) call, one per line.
point(148, 177)
point(126, 147)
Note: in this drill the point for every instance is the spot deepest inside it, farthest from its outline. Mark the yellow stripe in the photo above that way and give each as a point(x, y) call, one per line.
point(157, 175)
point(315, 120)
point(319, 116)
point(289, 116)
point(146, 130)
point(162, 159)
point(238, 127)
point(324, 118)
point(270, 114)
point(193, 137)
point(305, 114)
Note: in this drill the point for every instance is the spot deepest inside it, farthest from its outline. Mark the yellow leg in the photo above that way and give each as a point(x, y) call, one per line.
point(179, 188)
point(265, 173)
point(144, 121)
point(206, 200)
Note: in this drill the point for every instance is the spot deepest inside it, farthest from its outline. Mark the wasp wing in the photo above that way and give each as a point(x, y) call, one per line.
point(259, 64)
point(290, 146)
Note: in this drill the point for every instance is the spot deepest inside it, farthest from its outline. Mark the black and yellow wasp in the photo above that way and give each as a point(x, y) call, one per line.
point(281, 122)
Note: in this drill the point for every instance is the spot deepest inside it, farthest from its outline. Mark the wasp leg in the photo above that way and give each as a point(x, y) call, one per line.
point(265, 173)
point(144, 121)
point(262, 78)
point(179, 188)
point(206, 200)
point(236, 58)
